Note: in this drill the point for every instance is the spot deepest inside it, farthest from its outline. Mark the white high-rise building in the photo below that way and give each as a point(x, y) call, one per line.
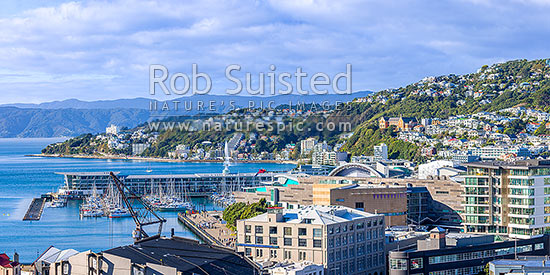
point(381, 152)
point(307, 145)
point(113, 130)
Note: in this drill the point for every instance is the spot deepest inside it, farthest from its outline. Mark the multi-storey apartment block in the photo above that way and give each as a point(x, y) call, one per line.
point(507, 198)
point(342, 239)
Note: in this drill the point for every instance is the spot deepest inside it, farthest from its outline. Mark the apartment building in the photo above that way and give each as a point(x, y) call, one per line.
point(507, 198)
point(342, 239)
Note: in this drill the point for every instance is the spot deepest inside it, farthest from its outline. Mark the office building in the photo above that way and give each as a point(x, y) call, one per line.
point(342, 239)
point(459, 253)
point(507, 198)
point(294, 191)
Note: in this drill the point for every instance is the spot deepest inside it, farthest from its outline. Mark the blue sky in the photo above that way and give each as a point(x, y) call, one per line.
point(54, 50)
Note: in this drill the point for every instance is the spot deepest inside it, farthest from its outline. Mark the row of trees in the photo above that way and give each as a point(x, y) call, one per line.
point(241, 210)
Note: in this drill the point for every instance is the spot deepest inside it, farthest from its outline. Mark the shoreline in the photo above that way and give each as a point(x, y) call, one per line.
point(152, 159)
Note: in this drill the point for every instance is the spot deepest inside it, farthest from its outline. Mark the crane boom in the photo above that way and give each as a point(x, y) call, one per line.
point(143, 216)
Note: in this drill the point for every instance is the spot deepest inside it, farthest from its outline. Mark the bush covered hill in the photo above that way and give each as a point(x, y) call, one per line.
point(492, 88)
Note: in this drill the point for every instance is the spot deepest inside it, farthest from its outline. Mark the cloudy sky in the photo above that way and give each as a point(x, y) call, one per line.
point(54, 50)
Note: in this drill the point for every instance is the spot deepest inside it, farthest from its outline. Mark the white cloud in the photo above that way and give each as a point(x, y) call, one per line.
point(389, 43)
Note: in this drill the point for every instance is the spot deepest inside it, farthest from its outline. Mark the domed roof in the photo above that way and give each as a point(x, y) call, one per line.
point(357, 170)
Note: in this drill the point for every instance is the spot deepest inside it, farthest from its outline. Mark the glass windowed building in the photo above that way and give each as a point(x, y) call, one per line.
point(507, 198)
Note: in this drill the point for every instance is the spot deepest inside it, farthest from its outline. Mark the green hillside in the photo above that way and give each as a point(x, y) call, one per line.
point(499, 86)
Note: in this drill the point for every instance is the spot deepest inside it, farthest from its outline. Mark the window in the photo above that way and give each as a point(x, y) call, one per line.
point(65, 268)
point(317, 233)
point(288, 255)
point(360, 250)
point(416, 263)
point(247, 239)
point(301, 255)
point(273, 240)
point(247, 229)
point(248, 251)
point(360, 236)
point(317, 243)
point(259, 240)
point(331, 230)
point(331, 242)
point(398, 264)
point(288, 231)
point(350, 238)
point(337, 230)
point(302, 231)
point(539, 246)
point(361, 225)
point(352, 252)
point(273, 230)
point(288, 242)
point(273, 253)
point(302, 242)
point(259, 229)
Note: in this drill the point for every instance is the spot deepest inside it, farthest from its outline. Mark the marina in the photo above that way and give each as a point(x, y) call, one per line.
point(24, 178)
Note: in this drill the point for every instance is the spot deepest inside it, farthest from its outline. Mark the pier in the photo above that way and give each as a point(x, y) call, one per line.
point(35, 209)
point(208, 227)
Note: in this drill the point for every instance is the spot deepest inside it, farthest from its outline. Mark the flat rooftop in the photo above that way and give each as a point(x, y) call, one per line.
point(529, 163)
point(318, 214)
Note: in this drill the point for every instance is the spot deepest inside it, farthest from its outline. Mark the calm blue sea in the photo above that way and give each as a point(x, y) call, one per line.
point(23, 178)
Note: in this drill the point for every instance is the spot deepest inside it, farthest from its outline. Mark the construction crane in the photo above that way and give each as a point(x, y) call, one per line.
point(142, 212)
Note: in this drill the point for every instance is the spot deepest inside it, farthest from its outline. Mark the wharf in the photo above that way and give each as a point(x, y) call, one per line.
point(35, 209)
point(207, 225)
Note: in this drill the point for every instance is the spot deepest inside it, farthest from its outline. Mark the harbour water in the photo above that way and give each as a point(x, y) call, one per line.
point(22, 178)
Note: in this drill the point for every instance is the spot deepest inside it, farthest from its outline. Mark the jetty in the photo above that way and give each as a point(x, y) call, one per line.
point(34, 213)
point(208, 227)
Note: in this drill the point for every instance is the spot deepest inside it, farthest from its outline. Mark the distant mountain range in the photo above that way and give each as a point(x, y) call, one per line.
point(144, 103)
point(30, 122)
point(73, 117)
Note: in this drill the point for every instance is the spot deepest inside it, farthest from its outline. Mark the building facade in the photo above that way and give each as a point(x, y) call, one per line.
point(445, 254)
point(78, 184)
point(294, 191)
point(507, 198)
point(342, 239)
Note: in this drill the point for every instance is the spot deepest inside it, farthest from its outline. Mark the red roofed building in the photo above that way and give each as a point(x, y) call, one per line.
point(9, 267)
